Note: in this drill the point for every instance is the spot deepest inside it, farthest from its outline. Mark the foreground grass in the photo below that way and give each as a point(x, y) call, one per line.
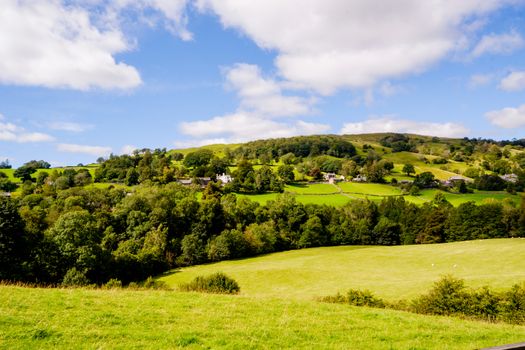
point(400, 272)
point(121, 319)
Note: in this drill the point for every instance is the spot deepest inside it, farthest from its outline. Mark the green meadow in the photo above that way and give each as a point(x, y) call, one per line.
point(393, 273)
point(342, 192)
point(276, 308)
point(126, 319)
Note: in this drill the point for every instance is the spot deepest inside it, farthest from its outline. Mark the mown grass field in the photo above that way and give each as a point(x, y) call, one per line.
point(369, 189)
point(479, 197)
point(311, 189)
point(123, 319)
point(343, 192)
point(393, 273)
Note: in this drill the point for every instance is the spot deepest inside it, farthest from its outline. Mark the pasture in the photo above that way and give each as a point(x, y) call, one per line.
point(342, 192)
point(393, 273)
point(126, 319)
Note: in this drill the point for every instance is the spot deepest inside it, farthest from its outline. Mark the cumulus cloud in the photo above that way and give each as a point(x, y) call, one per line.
point(14, 133)
point(498, 44)
point(264, 111)
point(328, 45)
point(92, 150)
point(46, 43)
point(264, 96)
point(515, 81)
point(70, 126)
point(392, 124)
point(73, 44)
point(240, 127)
point(507, 117)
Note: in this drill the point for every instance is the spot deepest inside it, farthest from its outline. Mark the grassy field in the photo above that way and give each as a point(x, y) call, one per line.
point(122, 319)
point(393, 273)
point(455, 199)
point(340, 194)
point(311, 189)
point(369, 189)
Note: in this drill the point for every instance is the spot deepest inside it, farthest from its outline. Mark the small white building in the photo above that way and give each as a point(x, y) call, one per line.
point(185, 182)
point(330, 177)
point(359, 178)
point(224, 178)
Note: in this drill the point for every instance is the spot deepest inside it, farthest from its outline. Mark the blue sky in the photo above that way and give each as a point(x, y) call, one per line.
point(80, 79)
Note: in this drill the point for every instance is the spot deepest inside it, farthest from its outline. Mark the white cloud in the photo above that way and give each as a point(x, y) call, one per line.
point(498, 44)
point(507, 117)
point(93, 150)
point(262, 102)
point(13, 133)
point(47, 43)
point(391, 124)
point(172, 13)
point(70, 126)
point(478, 80)
point(240, 127)
point(515, 81)
point(174, 10)
point(264, 96)
point(73, 43)
point(328, 45)
point(127, 149)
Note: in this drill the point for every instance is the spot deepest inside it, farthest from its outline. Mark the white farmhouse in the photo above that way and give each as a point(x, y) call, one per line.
point(224, 178)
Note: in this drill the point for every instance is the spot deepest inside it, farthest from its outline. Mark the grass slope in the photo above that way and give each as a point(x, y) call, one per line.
point(119, 319)
point(393, 273)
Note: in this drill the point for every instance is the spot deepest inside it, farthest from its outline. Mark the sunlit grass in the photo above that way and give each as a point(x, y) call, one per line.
point(121, 319)
point(393, 273)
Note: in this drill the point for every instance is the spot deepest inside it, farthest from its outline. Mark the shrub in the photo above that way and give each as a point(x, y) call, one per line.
point(447, 297)
point(484, 304)
point(74, 278)
point(113, 284)
point(450, 297)
point(133, 285)
point(512, 308)
point(356, 298)
point(216, 283)
point(151, 283)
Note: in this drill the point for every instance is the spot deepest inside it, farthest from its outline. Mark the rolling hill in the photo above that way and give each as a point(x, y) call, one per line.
point(398, 272)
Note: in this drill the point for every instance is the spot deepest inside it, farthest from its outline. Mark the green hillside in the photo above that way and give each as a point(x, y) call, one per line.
point(122, 319)
point(393, 273)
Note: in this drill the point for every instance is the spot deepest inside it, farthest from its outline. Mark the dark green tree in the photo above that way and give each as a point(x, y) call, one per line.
point(409, 169)
point(12, 241)
point(286, 173)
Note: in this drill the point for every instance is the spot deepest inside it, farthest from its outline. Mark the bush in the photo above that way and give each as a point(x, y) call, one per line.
point(113, 284)
point(512, 308)
point(217, 283)
point(74, 278)
point(151, 283)
point(356, 298)
point(450, 297)
point(133, 285)
point(447, 297)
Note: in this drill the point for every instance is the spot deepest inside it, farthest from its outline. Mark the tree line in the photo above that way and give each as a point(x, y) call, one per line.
point(96, 234)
